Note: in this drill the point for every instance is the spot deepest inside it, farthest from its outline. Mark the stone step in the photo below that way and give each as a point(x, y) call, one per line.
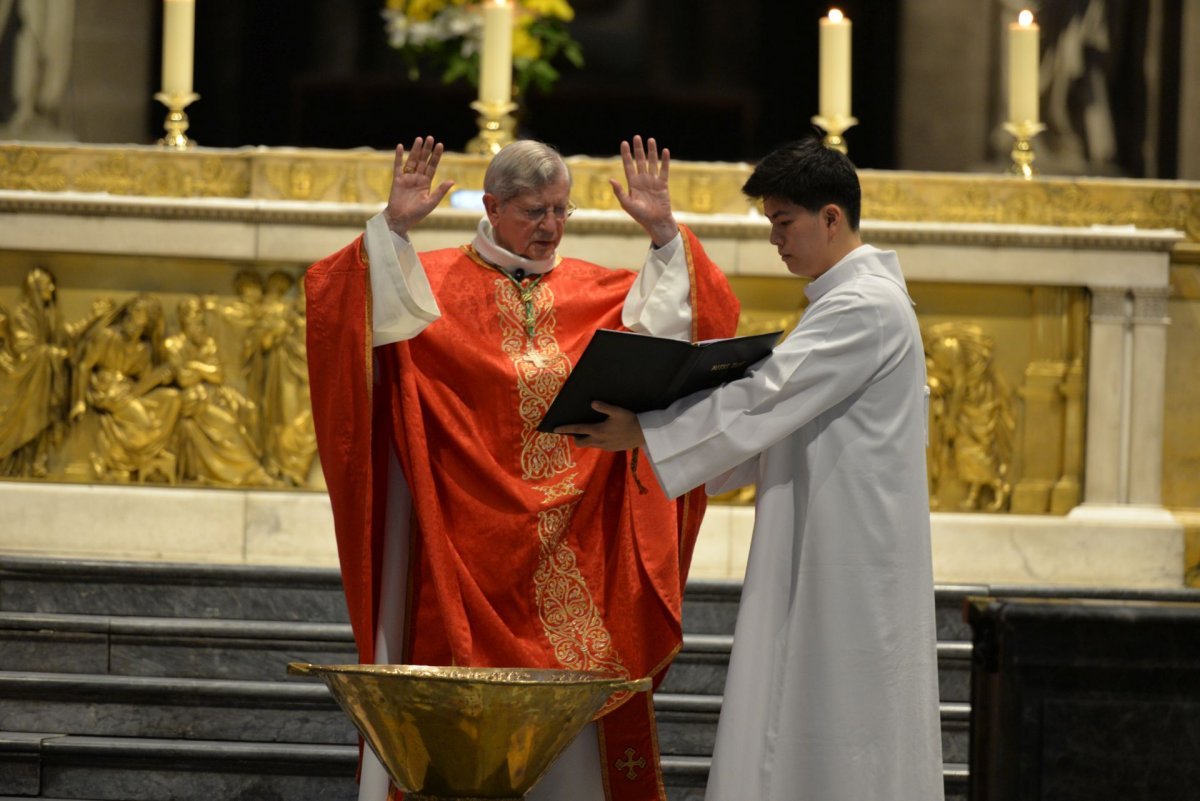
point(312, 595)
point(56, 767)
point(260, 650)
point(689, 724)
point(203, 709)
point(710, 606)
point(69, 767)
point(284, 712)
point(236, 592)
point(182, 647)
point(172, 708)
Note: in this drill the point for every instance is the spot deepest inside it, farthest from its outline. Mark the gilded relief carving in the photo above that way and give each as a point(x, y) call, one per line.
point(992, 429)
point(213, 440)
point(123, 409)
point(33, 350)
point(971, 421)
point(115, 397)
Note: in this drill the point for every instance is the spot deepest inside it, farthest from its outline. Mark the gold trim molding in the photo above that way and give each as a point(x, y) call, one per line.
point(363, 176)
point(745, 227)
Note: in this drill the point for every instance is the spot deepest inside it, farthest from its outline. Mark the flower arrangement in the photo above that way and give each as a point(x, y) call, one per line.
point(445, 35)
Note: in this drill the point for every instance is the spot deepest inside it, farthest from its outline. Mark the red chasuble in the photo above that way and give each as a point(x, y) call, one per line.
point(526, 551)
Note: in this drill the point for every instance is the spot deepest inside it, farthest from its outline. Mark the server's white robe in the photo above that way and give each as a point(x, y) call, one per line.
point(832, 690)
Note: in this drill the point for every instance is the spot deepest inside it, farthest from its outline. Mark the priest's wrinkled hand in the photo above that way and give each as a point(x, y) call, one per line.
point(413, 197)
point(620, 431)
point(648, 198)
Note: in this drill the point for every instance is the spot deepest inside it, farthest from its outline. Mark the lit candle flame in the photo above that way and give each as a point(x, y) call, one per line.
point(835, 15)
point(1025, 18)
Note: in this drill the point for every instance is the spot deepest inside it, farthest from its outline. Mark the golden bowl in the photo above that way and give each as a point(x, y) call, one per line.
point(459, 732)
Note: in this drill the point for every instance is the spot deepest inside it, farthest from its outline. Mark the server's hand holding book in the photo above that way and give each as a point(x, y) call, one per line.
point(640, 372)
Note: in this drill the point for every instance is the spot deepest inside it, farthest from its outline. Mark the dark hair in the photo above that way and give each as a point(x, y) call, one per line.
point(810, 175)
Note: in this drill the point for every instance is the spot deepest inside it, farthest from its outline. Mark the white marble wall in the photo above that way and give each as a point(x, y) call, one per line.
point(296, 528)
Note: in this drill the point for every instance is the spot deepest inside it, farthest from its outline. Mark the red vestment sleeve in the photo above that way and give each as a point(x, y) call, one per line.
point(715, 311)
point(340, 368)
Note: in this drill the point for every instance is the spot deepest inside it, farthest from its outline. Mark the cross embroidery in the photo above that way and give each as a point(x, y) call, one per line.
point(628, 764)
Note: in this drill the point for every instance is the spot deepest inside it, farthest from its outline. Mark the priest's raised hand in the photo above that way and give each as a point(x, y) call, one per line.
point(412, 196)
point(648, 198)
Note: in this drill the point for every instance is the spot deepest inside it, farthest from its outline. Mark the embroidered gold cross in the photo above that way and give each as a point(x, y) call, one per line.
point(629, 764)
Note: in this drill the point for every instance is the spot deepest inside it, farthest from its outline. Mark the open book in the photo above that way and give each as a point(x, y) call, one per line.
point(640, 372)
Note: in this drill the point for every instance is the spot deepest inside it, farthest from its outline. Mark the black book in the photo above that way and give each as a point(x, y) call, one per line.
point(640, 372)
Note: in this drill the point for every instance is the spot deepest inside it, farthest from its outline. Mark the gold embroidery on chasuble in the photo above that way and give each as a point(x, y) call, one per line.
point(541, 369)
point(629, 765)
point(569, 614)
point(563, 489)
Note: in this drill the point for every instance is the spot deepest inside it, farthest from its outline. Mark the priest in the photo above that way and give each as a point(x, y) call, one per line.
point(832, 689)
point(465, 535)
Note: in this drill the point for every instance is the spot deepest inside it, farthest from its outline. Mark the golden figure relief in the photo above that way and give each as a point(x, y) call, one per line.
point(112, 398)
point(7, 358)
point(269, 346)
point(122, 405)
point(294, 438)
point(224, 400)
point(240, 319)
point(32, 378)
point(213, 443)
point(971, 422)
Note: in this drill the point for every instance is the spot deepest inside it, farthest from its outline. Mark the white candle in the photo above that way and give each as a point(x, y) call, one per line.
point(495, 72)
point(1023, 69)
point(835, 66)
point(179, 22)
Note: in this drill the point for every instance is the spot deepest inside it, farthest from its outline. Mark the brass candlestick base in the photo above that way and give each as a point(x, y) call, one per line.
point(834, 127)
point(496, 127)
point(1022, 152)
point(177, 121)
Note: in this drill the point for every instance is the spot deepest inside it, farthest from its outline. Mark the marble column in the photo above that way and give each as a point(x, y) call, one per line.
point(1147, 394)
point(1107, 459)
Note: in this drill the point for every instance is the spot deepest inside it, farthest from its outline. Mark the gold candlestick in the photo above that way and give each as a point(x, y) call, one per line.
point(177, 121)
point(497, 127)
point(1022, 152)
point(834, 126)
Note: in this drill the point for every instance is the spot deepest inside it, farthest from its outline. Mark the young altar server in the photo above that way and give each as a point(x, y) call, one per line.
point(832, 690)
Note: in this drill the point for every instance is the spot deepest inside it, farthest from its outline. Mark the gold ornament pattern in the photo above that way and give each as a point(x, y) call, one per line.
point(541, 369)
point(568, 612)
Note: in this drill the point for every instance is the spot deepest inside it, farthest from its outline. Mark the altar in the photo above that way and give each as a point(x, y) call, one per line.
point(1060, 316)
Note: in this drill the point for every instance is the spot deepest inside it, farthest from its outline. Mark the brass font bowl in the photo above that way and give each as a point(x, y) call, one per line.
point(479, 733)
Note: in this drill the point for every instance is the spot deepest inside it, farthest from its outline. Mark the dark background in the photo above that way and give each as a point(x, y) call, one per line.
point(711, 79)
point(719, 80)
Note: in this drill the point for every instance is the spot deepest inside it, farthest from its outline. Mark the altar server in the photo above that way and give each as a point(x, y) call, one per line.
point(832, 688)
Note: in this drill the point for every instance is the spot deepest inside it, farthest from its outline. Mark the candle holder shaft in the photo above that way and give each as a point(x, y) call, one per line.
point(497, 127)
point(1022, 153)
point(834, 126)
point(176, 123)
